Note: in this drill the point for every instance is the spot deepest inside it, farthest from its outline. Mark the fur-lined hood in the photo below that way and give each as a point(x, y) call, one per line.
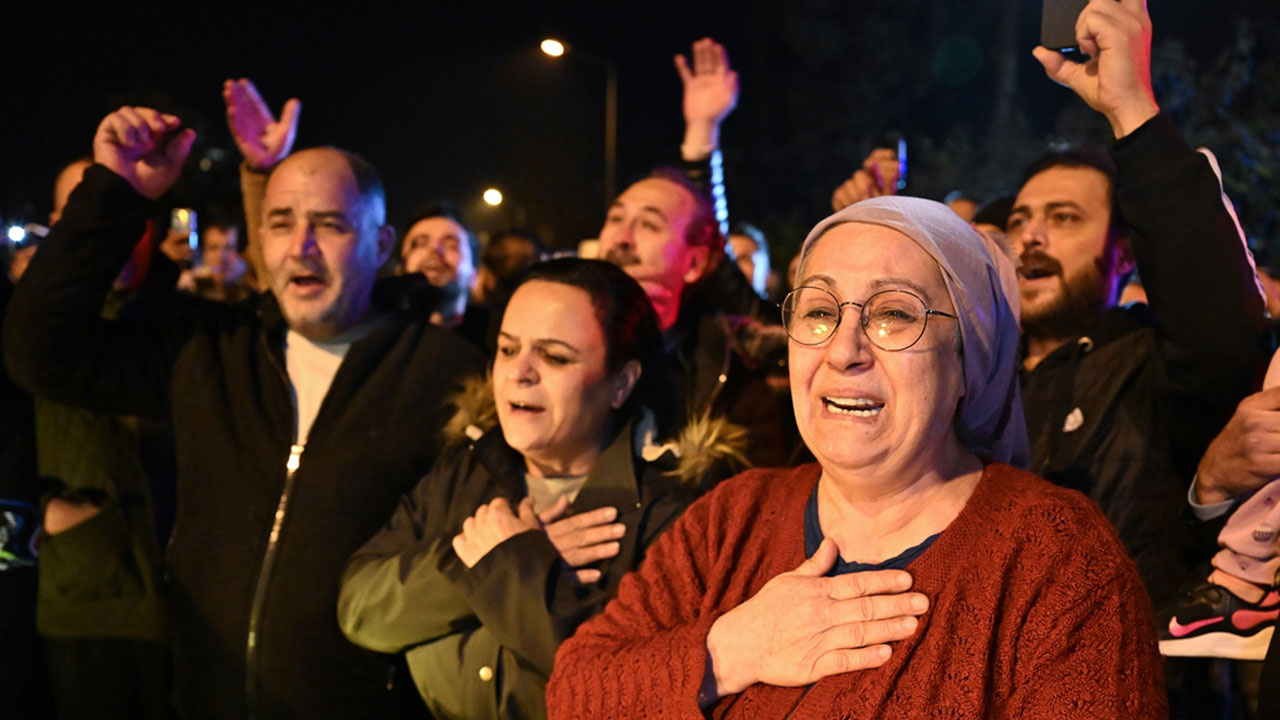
point(705, 445)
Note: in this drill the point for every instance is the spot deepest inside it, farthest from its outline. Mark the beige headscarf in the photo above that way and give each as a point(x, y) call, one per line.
point(983, 285)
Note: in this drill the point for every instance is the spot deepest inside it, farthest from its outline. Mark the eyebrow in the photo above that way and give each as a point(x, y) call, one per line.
point(884, 283)
point(442, 238)
point(655, 211)
point(892, 282)
point(646, 208)
point(313, 216)
point(1055, 205)
point(328, 215)
point(540, 342)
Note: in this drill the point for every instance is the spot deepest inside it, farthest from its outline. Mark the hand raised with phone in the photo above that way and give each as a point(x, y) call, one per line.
point(1116, 80)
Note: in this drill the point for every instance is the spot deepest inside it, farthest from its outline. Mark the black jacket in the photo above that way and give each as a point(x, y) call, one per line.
point(1125, 412)
point(480, 642)
point(256, 550)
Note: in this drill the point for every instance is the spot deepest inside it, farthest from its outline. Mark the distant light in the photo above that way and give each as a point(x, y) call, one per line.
point(17, 234)
point(554, 48)
point(493, 197)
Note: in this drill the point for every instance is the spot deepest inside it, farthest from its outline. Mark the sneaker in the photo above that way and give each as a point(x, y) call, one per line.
point(1210, 621)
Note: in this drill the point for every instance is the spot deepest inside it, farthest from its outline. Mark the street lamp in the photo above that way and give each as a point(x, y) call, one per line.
point(555, 48)
point(493, 197)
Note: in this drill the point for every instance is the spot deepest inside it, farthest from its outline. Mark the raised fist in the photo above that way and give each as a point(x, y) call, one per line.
point(143, 146)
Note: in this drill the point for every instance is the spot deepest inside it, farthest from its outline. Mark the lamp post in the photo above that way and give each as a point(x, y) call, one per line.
point(555, 48)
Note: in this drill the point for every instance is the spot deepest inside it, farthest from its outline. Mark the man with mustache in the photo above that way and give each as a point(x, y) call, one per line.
point(663, 231)
point(1121, 402)
point(299, 419)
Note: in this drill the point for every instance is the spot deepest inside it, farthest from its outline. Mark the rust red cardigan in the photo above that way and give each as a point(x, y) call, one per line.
point(1036, 612)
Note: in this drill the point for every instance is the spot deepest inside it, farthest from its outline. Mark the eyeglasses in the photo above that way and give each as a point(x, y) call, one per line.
point(892, 319)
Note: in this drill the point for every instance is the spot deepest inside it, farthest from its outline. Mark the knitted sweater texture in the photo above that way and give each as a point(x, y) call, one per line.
point(1036, 612)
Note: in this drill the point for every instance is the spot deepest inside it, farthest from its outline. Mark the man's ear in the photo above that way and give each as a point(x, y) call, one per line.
point(386, 243)
point(624, 381)
point(699, 263)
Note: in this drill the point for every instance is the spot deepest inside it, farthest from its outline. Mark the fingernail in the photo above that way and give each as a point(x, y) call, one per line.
point(619, 530)
point(904, 580)
point(611, 513)
point(883, 652)
point(919, 602)
point(909, 624)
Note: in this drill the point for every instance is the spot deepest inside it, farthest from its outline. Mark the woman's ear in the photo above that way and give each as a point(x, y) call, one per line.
point(624, 381)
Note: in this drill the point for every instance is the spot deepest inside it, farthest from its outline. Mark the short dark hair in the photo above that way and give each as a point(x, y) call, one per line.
point(224, 217)
point(444, 208)
point(704, 229)
point(507, 264)
point(368, 182)
point(626, 317)
point(1083, 155)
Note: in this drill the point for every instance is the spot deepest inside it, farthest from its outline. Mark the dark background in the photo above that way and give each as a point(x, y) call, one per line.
point(448, 100)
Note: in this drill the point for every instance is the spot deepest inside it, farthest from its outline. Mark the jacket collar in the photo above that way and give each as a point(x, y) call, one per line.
point(612, 482)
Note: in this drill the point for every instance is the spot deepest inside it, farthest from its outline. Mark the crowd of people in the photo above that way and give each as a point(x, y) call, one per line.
point(316, 466)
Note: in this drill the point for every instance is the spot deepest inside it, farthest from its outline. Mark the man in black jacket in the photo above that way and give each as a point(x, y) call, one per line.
point(299, 418)
point(1122, 401)
point(665, 232)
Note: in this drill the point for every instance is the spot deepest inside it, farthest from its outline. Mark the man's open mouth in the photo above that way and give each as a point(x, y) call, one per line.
point(306, 282)
point(1038, 265)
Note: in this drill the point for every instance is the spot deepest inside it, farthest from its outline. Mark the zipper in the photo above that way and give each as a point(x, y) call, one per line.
point(264, 576)
point(268, 561)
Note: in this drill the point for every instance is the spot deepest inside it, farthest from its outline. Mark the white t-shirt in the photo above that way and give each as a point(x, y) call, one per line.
point(311, 365)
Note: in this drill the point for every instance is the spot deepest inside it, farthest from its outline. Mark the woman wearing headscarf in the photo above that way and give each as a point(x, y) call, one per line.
point(912, 571)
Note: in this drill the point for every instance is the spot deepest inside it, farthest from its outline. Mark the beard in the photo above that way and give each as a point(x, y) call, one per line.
point(1073, 306)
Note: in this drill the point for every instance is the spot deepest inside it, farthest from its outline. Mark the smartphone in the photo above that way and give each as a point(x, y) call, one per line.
point(895, 141)
point(1058, 25)
point(182, 221)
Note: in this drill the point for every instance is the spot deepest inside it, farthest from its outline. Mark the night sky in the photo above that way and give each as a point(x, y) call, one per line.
point(446, 101)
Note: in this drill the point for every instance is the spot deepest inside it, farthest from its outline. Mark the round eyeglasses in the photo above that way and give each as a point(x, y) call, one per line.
point(892, 319)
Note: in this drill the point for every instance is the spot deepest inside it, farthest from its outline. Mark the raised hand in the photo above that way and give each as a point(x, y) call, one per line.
point(878, 176)
point(710, 94)
point(583, 539)
point(1117, 79)
point(802, 627)
point(490, 526)
point(143, 146)
point(263, 140)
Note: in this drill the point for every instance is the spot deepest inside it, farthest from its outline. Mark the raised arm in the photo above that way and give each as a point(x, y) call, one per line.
point(1214, 330)
point(710, 94)
point(56, 343)
point(263, 142)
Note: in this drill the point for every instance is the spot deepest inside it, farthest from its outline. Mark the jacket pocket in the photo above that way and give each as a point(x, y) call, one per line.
point(93, 560)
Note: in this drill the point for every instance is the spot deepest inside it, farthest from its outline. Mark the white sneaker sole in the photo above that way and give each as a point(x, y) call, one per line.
point(1220, 645)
